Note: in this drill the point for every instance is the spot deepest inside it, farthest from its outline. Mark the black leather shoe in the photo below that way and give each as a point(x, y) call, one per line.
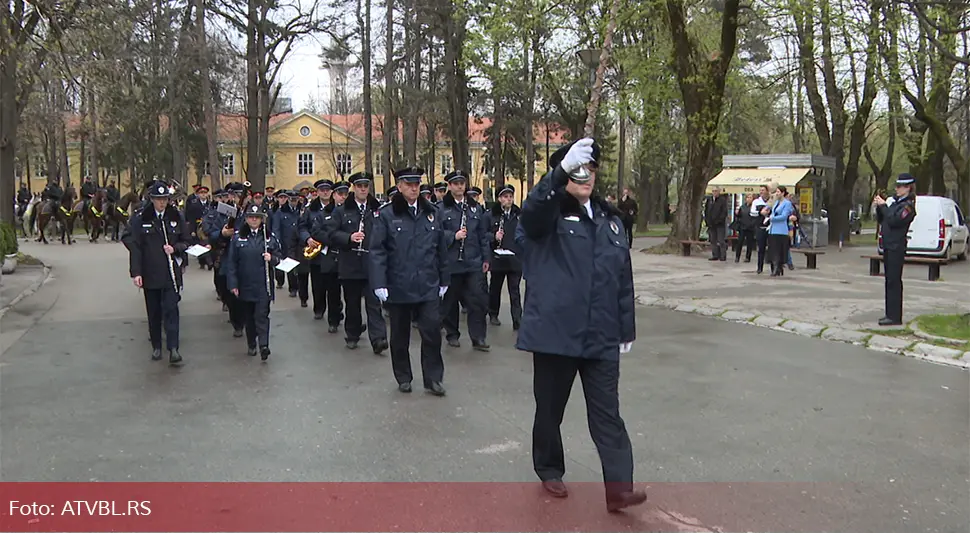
point(157, 354)
point(292, 294)
point(237, 333)
point(303, 303)
point(556, 488)
point(317, 316)
point(494, 321)
point(481, 346)
point(515, 326)
point(886, 321)
point(332, 329)
point(380, 347)
point(414, 325)
point(435, 388)
point(624, 500)
point(712, 259)
point(174, 358)
point(252, 351)
point(352, 344)
point(404, 387)
point(225, 308)
point(264, 353)
point(454, 343)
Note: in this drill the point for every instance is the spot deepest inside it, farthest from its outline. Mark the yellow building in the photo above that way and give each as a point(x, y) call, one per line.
point(305, 147)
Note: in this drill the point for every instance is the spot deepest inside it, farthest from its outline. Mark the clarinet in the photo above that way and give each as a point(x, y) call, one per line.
point(171, 260)
point(461, 247)
point(501, 229)
point(269, 286)
point(360, 229)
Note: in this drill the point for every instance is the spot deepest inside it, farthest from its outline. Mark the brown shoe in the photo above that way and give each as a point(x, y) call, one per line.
point(556, 488)
point(625, 499)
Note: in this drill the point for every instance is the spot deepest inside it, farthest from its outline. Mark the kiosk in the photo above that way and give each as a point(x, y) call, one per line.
point(804, 175)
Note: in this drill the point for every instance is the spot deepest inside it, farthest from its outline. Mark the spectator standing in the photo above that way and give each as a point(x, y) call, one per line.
point(629, 208)
point(747, 224)
point(716, 214)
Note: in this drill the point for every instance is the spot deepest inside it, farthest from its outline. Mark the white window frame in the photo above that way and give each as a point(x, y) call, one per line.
point(228, 164)
point(304, 164)
point(271, 164)
point(205, 167)
point(447, 163)
point(379, 165)
point(345, 164)
point(306, 129)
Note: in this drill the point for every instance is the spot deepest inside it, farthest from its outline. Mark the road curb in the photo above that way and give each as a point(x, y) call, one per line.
point(832, 333)
point(31, 289)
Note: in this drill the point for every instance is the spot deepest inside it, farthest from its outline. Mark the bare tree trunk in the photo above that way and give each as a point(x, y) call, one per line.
point(61, 108)
point(95, 144)
point(9, 123)
point(208, 106)
point(528, 71)
point(498, 157)
point(252, 87)
point(364, 22)
point(457, 86)
point(621, 157)
point(390, 119)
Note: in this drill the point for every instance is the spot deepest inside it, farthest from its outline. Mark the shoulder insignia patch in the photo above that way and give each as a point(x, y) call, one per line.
point(614, 227)
point(430, 217)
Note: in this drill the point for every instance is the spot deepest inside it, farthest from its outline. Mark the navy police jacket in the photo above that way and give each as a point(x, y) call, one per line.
point(346, 220)
point(408, 254)
point(477, 242)
point(318, 222)
point(145, 239)
point(284, 223)
point(894, 221)
point(579, 290)
point(246, 269)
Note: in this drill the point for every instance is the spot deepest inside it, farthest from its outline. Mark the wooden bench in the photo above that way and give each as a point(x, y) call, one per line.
point(685, 246)
point(811, 257)
point(932, 262)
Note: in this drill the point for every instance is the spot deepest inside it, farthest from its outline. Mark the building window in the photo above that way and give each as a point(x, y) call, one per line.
point(86, 171)
point(344, 164)
point(271, 164)
point(40, 166)
point(446, 162)
point(379, 165)
point(304, 164)
point(305, 131)
point(228, 165)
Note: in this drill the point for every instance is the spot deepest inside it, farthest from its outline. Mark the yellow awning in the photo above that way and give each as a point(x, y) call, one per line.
point(745, 180)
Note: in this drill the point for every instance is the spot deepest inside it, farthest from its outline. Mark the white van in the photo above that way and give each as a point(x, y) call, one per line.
point(939, 230)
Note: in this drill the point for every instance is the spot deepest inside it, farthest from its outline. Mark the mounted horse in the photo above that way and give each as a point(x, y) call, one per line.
point(116, 214)
point(91, 211)
point(27, 216)
point(61, 212)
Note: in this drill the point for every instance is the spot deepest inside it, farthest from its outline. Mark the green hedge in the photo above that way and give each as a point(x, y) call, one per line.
point(8, 240)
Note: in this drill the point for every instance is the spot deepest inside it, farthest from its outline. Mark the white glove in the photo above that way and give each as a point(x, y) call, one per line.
point(578, 155)
point(442, 291)
point(381, 294)
point(626, 347)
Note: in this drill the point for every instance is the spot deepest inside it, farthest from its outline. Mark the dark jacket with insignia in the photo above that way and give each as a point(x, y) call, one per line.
point(346, 222)
point(212, 225)
point(112, 193)
point(318, 221)
point(194, 209)
point(88, 188)
point(477, 248)
point(505, 263)
point(894, 221)
point(52, 192)
point(284, 223)
point(408, 255)
point(246, 269)
point(145, 241)
point(580, 301)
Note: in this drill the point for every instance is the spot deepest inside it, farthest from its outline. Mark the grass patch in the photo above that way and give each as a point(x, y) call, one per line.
point(24, 259)
point(909, 336)
point(660, 230)
point(949, 326)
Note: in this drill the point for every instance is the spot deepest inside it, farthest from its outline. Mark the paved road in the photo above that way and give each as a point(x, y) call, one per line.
point(882, 439)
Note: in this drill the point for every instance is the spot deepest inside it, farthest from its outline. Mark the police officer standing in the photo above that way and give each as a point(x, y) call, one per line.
point(284, 223)
point(354, 224)
point(253, 253)
point(894, 219)
point(409, 272)
point(506, 266)
point(156, 238)
point(578, 318)
point(464, 223)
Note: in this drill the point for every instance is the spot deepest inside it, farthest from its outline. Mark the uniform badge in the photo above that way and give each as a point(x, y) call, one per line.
point(474, 209)
point(430, 218)
point(614, 227)
point(173, 223)
point(377, 214)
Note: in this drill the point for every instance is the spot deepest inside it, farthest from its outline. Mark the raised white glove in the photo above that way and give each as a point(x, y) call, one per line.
point(626, 347)
point(578, 155)
point(381, 294)
point(442, 291)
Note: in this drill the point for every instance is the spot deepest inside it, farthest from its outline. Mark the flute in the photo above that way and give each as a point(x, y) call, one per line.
point(269, 286)
point(171, 260)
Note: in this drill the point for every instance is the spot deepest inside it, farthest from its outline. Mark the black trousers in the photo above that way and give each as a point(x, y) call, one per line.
point(163, 309)
point(232, 303)
point(745, 238)
point(280, 278)
point(299, 282)
point(466, 288)
point(761, 237)
point(894, 260)
point(778, 250)
point(326, 294)
point(356, 290)
point(429, 326)
point(628, 227)
point(718, 234)
point(495, 294)
point(255, 316)
point(552, 382)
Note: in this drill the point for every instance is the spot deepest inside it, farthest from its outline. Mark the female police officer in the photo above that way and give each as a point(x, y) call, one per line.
point(894, 219)
point(252, 255)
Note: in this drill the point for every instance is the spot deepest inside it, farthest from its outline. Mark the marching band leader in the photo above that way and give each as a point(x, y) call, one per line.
point(252, 255)
point(578, 318)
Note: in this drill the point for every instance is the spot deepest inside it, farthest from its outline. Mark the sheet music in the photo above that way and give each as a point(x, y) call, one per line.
point(287, 265)
point(197, 250)
point(502, 251)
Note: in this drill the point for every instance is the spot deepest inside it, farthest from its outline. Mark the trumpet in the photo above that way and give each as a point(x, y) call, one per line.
point(311, 251)
point(200, 233)
point(461, 247)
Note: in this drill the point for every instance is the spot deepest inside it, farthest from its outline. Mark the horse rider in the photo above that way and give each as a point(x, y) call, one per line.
point(111, 193)
point(53, 194)
point(23, 195)
point(88, 190)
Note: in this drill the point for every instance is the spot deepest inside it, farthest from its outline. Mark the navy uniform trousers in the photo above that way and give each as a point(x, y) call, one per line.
point(894, 260)
point(163, 309)
point(466, 288)
point(427, 315)
point(553, 378)
point(255, 318)
point(354, 291)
